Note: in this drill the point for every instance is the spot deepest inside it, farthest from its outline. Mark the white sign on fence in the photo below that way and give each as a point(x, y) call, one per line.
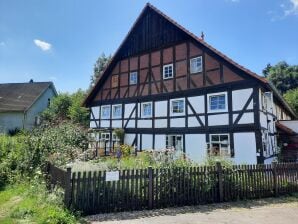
point(112, 176)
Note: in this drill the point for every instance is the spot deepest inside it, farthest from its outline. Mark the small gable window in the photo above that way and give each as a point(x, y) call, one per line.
point(168, 71)
point(133, 78)
point(196, 65)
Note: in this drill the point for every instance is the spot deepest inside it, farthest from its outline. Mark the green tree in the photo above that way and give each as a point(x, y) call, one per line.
point(76, 112)
point(291, 97)
point(283, 76)
point(67, 107)
point(99, 66)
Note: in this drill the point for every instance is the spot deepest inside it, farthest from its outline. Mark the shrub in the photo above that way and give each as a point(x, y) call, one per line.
point(126, 150)
point(20, 155)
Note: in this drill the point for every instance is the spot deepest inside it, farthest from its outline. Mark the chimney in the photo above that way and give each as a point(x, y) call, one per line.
point(31, 81)
point(202, 35)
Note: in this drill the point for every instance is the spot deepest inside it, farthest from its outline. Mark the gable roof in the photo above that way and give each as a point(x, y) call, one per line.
point(19, 97)
point(192, 36)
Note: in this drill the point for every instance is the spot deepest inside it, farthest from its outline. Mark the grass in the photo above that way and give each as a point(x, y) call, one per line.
point(30, 203)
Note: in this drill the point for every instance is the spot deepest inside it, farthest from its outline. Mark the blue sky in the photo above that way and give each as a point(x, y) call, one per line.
point(59, 41)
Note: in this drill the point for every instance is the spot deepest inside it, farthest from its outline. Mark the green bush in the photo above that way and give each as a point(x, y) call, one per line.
point(21, 154)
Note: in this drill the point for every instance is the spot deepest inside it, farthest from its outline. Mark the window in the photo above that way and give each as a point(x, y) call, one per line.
point(168, 71)
point(133, 78)
point(177, 106)
point(219, 145)
point(105, 142)
point(105, 112)
point(117, 111)
point(174, 141)
point(217, 102)
point(267, 101)
point(146, 109)
point(105, 136)
point(196, 65)
point(114, 81)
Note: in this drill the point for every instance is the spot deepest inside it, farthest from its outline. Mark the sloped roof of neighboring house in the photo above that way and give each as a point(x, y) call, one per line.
point(263, 80)
point(21, 96)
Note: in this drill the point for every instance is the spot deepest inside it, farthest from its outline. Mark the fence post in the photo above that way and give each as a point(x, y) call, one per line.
point(67, 194)
point(150, 187)
point(274, 173)
point(220, 181)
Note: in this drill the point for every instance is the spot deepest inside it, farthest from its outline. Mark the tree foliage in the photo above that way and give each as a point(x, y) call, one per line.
point(291, 97)
point(67, 107)
point(99, 66)
point(283, 76)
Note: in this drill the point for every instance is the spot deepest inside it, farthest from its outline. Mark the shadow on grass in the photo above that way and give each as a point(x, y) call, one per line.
point(173, 211)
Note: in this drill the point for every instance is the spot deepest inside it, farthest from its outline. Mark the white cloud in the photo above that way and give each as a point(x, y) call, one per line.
point(42, 45)
point(293, 10)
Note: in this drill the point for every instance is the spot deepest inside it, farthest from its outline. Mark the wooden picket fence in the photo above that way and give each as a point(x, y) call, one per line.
point(140, 189)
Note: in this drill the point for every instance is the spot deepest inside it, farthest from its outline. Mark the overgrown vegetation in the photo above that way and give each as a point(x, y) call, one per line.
point(30, 202)
point(21, 154)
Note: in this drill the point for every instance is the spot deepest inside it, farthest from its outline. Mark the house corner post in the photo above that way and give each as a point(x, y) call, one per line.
point(67, 193)
point(150, 187)
point(220, 181)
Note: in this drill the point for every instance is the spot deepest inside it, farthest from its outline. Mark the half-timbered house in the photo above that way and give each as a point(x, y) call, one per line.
point(168, 88)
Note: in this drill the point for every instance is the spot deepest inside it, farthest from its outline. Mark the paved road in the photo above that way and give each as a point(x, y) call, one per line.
point(272, 211)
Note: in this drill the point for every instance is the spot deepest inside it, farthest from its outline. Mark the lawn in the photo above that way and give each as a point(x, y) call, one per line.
point(27, 203)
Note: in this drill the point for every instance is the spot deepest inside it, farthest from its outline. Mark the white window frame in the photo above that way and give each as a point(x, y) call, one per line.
point(130, 80)
point(171, 107)
point(102, 110)
point(198, 69)
point(217, 110)
point(219, 142)
point(142, 110)
point(113, 113)
point(164, 69)
point(176, 135)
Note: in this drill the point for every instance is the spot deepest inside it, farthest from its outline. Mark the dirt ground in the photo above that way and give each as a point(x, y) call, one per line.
point(272, 210)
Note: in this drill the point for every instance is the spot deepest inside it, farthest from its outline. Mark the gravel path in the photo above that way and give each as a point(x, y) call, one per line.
point(273, 211)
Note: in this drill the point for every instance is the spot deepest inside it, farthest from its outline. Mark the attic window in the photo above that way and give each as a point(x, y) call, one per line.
point(168, 71)
point(133, 78)
point(114, 81)
point(196, 65)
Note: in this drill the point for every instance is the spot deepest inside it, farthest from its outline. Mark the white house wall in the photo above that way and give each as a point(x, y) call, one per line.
point(147, 141)
point(161, 108)
point(240, 97)
point(129, 138)
point(240, 112)
point(196, 148)
point(245, 148)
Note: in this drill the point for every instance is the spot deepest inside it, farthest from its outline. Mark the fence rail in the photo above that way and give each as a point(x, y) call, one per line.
point(91, 192)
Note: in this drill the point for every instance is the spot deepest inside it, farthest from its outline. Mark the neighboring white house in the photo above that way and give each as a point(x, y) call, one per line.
point(168, 88)
point(22, 103)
